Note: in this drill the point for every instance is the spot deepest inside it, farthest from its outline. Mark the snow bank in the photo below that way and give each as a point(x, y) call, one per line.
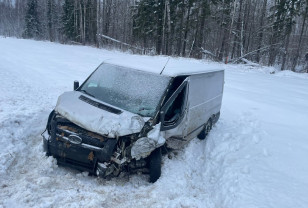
point(288, 73)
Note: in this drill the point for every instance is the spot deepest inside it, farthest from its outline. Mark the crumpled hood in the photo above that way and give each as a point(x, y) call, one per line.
point(97, 120)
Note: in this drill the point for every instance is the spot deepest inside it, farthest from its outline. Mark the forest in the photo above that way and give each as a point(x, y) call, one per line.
point(267, 32)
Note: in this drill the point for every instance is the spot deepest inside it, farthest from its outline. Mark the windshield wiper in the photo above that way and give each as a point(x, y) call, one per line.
point(87, 93)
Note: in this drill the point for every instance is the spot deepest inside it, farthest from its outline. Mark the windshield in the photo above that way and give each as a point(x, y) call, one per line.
point(135, 91)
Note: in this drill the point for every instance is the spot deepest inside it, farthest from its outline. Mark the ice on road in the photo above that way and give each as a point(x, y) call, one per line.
point(256, 155)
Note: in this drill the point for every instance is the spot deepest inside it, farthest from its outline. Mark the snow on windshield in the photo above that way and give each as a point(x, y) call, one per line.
point(135, 91)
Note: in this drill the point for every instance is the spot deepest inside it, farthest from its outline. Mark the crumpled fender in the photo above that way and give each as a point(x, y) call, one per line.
point(143, 147)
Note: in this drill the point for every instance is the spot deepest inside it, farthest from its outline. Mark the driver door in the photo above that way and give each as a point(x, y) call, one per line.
point(174, 116)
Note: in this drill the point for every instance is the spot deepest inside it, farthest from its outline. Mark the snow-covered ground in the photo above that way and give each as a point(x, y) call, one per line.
point(256, 155)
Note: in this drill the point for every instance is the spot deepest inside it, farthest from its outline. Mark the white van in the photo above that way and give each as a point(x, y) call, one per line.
point(122, 118)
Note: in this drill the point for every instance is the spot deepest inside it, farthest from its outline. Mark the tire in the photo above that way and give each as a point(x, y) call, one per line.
point(207, 128)
point(155, 165)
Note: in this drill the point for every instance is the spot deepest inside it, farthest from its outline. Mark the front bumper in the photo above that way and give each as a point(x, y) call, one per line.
point(83, 157)
point(89, 154)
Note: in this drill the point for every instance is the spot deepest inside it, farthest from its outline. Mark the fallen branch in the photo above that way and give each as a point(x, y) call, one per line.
point(252, 52)
point(206, 52)
point(120, 42)
point(74, 43)
point(209, 54)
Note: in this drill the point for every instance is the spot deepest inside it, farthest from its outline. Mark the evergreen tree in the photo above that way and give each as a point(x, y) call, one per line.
point(233, 30)
point(68, 20)
point(147, 20)
point(292, 13)
point(284, 13)
point(203, 13)
point(304, 14)
point(32, 24)
point(51, 19)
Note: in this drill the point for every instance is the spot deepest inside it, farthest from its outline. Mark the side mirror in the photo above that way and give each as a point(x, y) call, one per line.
point(76, 85)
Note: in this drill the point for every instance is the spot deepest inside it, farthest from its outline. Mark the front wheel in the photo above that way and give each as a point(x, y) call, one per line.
point(155, 165)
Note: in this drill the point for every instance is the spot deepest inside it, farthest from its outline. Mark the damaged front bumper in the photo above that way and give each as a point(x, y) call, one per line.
point(77, 148)
point(82, 157)
point(80, 149)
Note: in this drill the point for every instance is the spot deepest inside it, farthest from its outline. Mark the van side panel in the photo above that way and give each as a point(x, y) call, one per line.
point(204, 100)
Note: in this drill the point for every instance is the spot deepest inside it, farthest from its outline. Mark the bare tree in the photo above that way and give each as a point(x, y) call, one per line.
point(272, 32)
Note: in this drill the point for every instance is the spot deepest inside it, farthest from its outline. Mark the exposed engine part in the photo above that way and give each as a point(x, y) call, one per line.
point(101, 169)
point(137, 164)
point(119, 162)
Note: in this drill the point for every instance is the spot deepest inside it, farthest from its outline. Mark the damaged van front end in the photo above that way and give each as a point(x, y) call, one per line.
point(85, 133)
point(99, 155)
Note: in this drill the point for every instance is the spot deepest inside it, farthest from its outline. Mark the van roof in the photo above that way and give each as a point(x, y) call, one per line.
point(173, 66)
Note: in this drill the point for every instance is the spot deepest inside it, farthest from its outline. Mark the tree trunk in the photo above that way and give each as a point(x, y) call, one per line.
point(285, 53)
point(81, 22)
point(98, 22)
point(236, 44)
point(163, 41)
point(260, 36)
point(229, 35)
point(168, 42)
point(295, 60)
point(84, 22)
point(200, 34)
point(180, 38)
point(186, 31)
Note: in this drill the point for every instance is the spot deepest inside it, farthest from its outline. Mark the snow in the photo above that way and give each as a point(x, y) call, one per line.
point(96, 120)
point(255, 156)
point(168, 66)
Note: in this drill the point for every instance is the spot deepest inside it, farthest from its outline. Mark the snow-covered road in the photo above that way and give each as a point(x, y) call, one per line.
point(256, 156)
